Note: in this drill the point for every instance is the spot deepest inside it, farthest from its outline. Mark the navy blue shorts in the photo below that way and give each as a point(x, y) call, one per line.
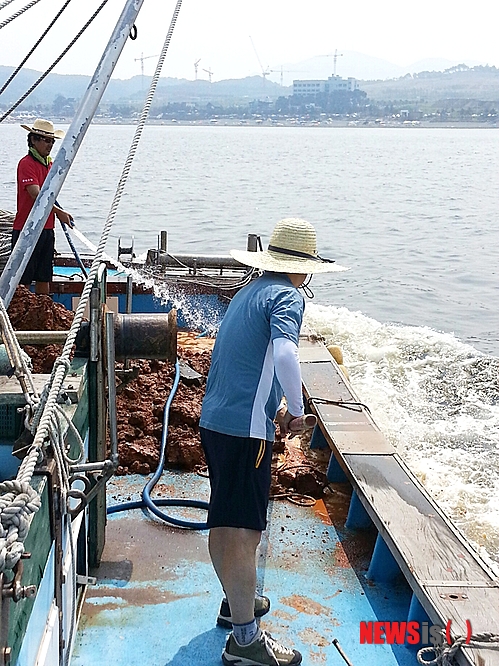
point(41, 264)
point(240, 475)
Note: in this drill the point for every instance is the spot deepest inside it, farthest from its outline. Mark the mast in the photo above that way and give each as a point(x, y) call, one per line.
point(44, 203)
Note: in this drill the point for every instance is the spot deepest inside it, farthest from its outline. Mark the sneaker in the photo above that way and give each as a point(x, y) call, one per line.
point(262, 607)
point(263, 651)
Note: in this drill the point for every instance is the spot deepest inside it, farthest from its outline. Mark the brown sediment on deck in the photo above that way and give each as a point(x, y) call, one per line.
point(141, 400)
point(140, 405)
point(140, 417)
point(308, 606)
point(37, 312)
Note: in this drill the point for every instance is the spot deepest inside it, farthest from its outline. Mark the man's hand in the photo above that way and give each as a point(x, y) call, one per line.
point(283, 419)
point(64, 217)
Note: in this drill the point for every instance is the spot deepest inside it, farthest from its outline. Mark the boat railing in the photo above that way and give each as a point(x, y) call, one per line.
point(452, 586)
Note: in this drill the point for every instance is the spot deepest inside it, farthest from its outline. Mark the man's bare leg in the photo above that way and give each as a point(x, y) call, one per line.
point(233, 553)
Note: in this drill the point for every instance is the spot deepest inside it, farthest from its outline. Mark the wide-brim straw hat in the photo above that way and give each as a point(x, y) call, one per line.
point(292, 249)
point(44, 128)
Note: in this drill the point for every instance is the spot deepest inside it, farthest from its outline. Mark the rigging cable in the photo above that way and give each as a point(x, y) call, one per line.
point(18, 69)
point(21, 11)
point(56, 61)
point(4, 4)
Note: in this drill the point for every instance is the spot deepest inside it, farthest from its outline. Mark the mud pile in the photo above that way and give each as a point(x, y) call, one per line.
point(141, 405)
point(32, 312)
point(141, 396)
point(141, 401)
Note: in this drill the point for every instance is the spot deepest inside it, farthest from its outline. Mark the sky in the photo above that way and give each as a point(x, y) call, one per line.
point(237, 38)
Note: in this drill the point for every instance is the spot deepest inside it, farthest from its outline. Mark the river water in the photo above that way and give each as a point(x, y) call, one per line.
point(411, 211)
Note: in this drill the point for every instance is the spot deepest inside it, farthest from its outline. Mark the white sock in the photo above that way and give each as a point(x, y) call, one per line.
point(245, 633)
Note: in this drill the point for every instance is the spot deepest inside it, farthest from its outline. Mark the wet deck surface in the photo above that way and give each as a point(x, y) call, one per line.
point(157, 597)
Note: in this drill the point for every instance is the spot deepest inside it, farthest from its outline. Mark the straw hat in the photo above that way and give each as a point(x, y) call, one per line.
point(292, 249)
point(44, 128)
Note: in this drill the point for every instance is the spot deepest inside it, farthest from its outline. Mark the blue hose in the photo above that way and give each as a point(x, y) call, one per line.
point(151, 504)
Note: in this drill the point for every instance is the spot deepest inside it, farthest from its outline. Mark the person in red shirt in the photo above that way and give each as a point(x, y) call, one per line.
point(31, 173)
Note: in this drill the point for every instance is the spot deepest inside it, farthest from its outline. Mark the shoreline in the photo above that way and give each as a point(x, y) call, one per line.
point(230, 122)
point(290, 122)
point(237, 122)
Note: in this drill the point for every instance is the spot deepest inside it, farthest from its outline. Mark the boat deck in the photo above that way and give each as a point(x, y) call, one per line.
point(157, 597)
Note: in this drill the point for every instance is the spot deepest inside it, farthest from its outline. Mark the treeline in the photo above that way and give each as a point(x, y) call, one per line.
point(337, 104)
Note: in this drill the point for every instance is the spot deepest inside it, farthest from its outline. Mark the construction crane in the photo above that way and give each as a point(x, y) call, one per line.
point(265, 72)
point(335, 57)
point(196, 63)
point(209, 72)
point(283, 71)
point(142, 58)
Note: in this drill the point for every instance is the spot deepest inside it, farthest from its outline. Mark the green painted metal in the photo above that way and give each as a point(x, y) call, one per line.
point(38, 544)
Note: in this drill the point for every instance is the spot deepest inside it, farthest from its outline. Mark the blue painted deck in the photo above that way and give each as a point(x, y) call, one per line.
point(157, 597)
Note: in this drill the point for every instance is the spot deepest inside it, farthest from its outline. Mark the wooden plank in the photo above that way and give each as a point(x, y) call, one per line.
point(422, 539)
point(362, 442)
point(337, 416)
point(445, 573)
point(479, 606)
point(324, 381)
point(447, 576)
point(313, 353)
point(11, 393)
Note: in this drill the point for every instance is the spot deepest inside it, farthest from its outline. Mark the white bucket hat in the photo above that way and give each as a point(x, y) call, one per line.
point(292, 249)
point(44, 128)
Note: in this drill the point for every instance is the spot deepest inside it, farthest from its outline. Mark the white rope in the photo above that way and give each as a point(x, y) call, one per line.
point(444, 653)
point(16, 355)
point(18, 502)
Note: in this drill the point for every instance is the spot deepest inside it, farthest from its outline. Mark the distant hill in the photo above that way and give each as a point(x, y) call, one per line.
point(135, 89)
point(456, 82)
point(358, 65)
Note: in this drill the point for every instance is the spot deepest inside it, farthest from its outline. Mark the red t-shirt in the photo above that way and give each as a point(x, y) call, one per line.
point(29, 172)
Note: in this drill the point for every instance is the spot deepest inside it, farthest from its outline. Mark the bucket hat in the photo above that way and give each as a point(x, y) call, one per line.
point(292, 249)
point(44, 128)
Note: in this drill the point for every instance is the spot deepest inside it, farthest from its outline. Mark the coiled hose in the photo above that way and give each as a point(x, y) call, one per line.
point(152, 505)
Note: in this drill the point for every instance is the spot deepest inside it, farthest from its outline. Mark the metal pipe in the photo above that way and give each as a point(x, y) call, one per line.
point(111, 388)
point(198, 261)
point(163, 244)
point(94, 324)
point(44, 203)
point(128, 310)
point(254, 243)
point(340, 650)
point(88, 467)
point(129, 294)
point(42, 337)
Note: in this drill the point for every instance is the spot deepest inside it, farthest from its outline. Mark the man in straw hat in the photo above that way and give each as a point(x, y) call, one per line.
point(31, 173)
point(254, 364)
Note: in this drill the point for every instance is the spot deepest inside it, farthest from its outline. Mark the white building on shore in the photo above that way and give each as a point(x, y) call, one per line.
point(305, 88)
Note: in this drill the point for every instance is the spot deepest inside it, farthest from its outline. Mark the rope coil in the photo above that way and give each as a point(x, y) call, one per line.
point(443, 654)
point(18, 502)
